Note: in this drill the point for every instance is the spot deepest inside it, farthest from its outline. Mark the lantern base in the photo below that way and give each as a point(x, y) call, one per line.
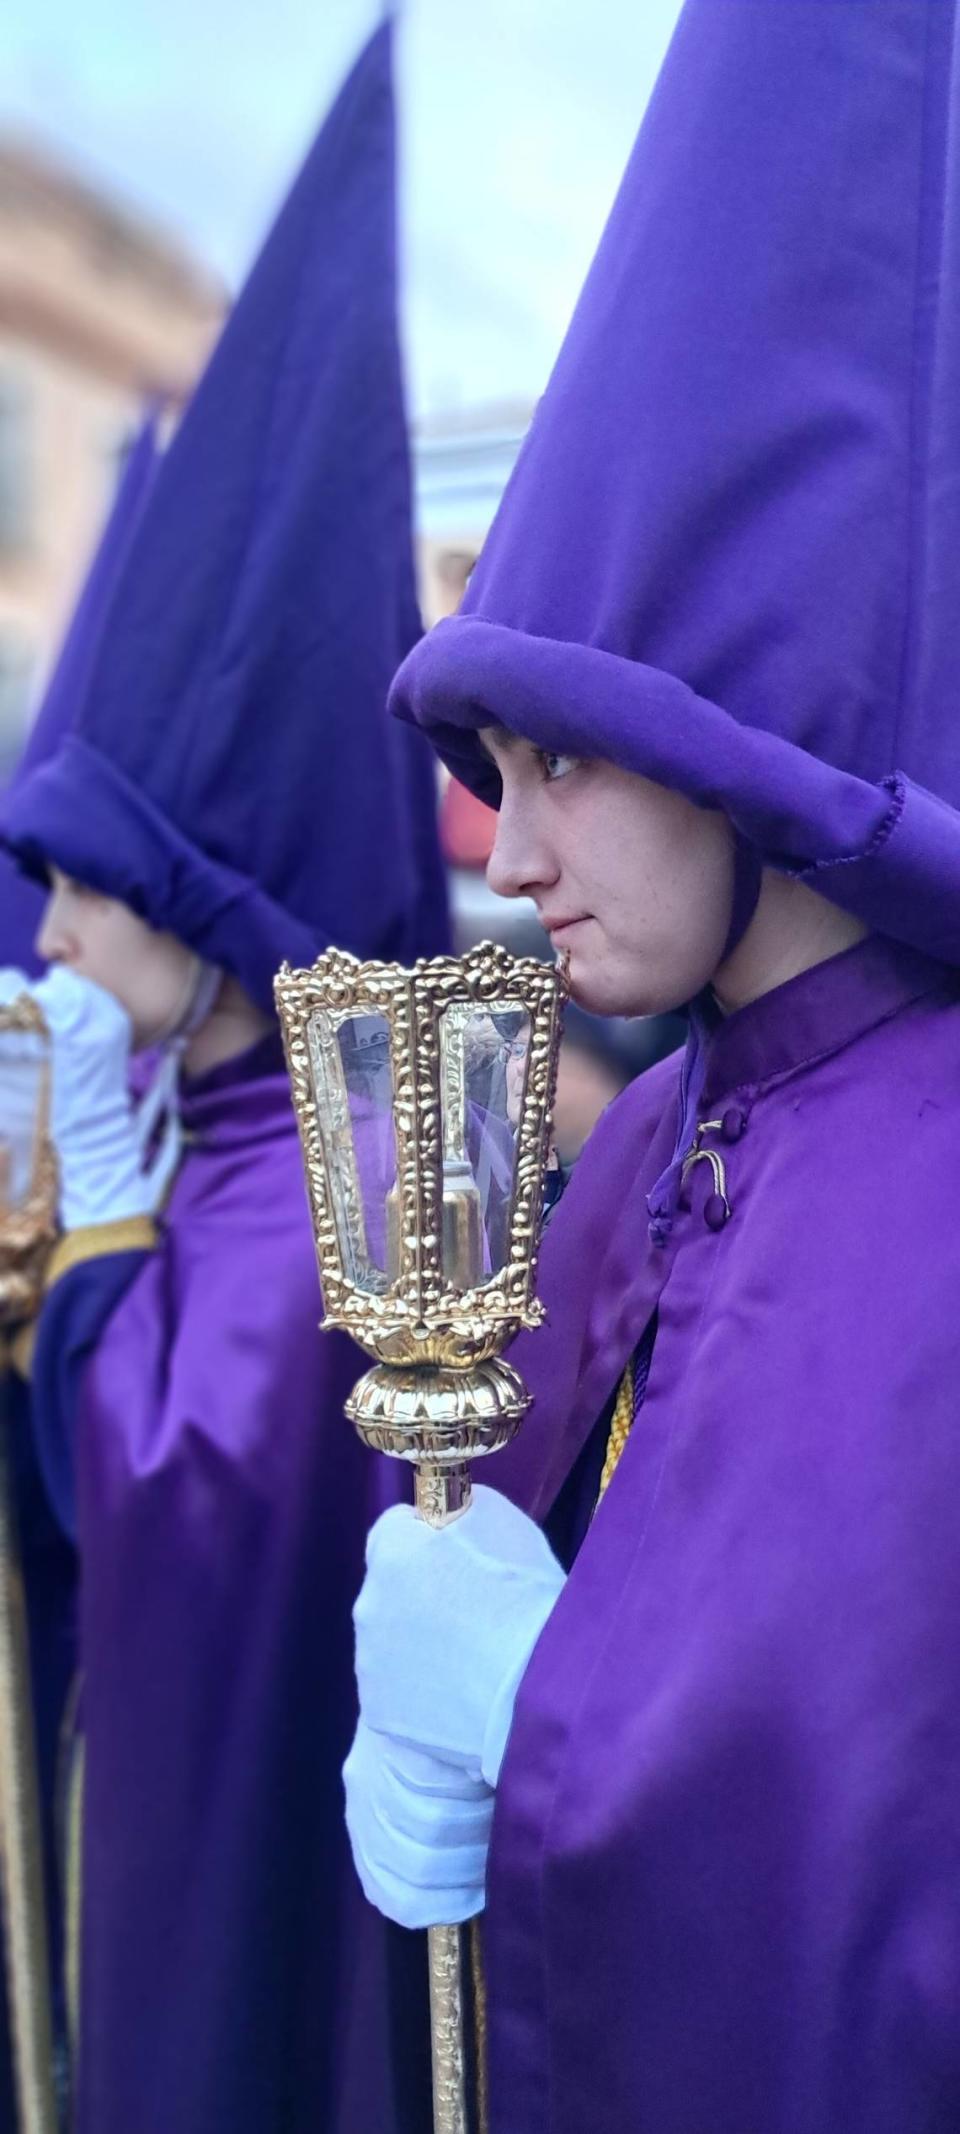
point(432, 1413)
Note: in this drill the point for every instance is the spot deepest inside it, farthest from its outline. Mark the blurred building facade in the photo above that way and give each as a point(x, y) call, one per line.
point(98, 313)
point(462, 463)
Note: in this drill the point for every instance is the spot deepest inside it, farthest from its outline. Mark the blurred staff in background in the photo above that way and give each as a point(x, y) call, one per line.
point(231, 794)
point(47, 1559)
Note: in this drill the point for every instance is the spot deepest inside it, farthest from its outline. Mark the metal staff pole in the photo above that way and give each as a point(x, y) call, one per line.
point(21, 1851)
point(26, 1234)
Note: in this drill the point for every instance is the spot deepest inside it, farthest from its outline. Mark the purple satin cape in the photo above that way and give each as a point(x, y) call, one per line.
point(232, 1975)
point(726, 1856)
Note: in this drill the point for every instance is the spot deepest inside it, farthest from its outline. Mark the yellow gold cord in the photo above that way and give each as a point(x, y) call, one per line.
point(133, 1233)
point(620, 1429)
point(21, 1348)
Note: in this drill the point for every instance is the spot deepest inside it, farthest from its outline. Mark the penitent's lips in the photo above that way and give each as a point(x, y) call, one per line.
point(556, 925)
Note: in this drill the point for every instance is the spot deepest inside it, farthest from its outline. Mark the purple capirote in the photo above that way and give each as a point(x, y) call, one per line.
point(726, 557)
point(233, 775)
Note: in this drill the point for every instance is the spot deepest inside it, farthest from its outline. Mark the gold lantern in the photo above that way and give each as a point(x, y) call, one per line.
point(424, 1100)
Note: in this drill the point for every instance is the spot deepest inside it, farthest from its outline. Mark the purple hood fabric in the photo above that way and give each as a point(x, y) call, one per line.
point(233, 775)
point(21, 900)
point(727, 555)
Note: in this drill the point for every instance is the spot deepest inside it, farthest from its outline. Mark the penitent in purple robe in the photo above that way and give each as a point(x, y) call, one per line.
point(724, 1887)
point(233, 777)
point(231, 1501)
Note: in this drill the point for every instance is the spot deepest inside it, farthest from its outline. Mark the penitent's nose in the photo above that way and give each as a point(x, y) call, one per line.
point(519, 865)
point(53, 941)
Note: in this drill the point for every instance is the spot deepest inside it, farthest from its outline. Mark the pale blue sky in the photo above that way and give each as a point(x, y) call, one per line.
point(517, 118)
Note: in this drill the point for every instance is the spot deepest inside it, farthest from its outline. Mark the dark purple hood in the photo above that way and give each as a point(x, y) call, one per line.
point(727, 558)
point(232, 774)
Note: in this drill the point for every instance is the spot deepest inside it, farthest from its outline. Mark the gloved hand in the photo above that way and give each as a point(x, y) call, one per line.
point(92, 1121)
point(446, 1621)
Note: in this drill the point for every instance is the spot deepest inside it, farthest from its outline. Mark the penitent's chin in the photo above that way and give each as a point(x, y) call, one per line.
point(598, 989)
point(605, 988)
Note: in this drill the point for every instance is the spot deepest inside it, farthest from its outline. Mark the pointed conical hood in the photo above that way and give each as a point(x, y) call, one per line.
point(234, 776)
point(21, 900)
point(728, 556)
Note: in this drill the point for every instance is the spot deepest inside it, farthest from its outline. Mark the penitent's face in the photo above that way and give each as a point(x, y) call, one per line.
point(631, 880)
point(151, 974)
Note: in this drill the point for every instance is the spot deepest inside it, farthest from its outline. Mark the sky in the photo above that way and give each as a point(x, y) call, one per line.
point(517, 117)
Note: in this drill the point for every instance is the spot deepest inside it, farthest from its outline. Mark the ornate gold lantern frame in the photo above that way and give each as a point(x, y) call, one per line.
point(433, 1318)
point(441, 1391)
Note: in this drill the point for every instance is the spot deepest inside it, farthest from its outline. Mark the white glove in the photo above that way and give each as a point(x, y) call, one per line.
point(420, 1832)
point(92, 1121)
point(446, 1621)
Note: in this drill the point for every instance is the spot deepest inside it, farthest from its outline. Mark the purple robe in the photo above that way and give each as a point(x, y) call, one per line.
point(723, 1889)
point(233, 1978)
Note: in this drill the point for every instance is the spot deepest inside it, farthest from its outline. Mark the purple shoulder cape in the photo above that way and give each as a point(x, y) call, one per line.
point(723, 1885)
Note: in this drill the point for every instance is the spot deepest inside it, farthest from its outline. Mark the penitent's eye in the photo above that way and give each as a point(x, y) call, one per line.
point(556, 765)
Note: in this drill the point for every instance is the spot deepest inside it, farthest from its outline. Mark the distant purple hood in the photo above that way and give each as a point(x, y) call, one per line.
point(233, 774)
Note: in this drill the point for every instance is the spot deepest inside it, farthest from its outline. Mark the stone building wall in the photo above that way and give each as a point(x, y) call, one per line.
point(98, 312)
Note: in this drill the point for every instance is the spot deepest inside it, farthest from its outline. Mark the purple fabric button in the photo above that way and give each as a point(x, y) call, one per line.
point(733, 1124)
point(715, 1212)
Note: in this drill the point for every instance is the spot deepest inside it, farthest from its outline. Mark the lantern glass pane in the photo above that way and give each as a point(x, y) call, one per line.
point(24, 1097)
point(353, 1076)
point(483, 1077)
